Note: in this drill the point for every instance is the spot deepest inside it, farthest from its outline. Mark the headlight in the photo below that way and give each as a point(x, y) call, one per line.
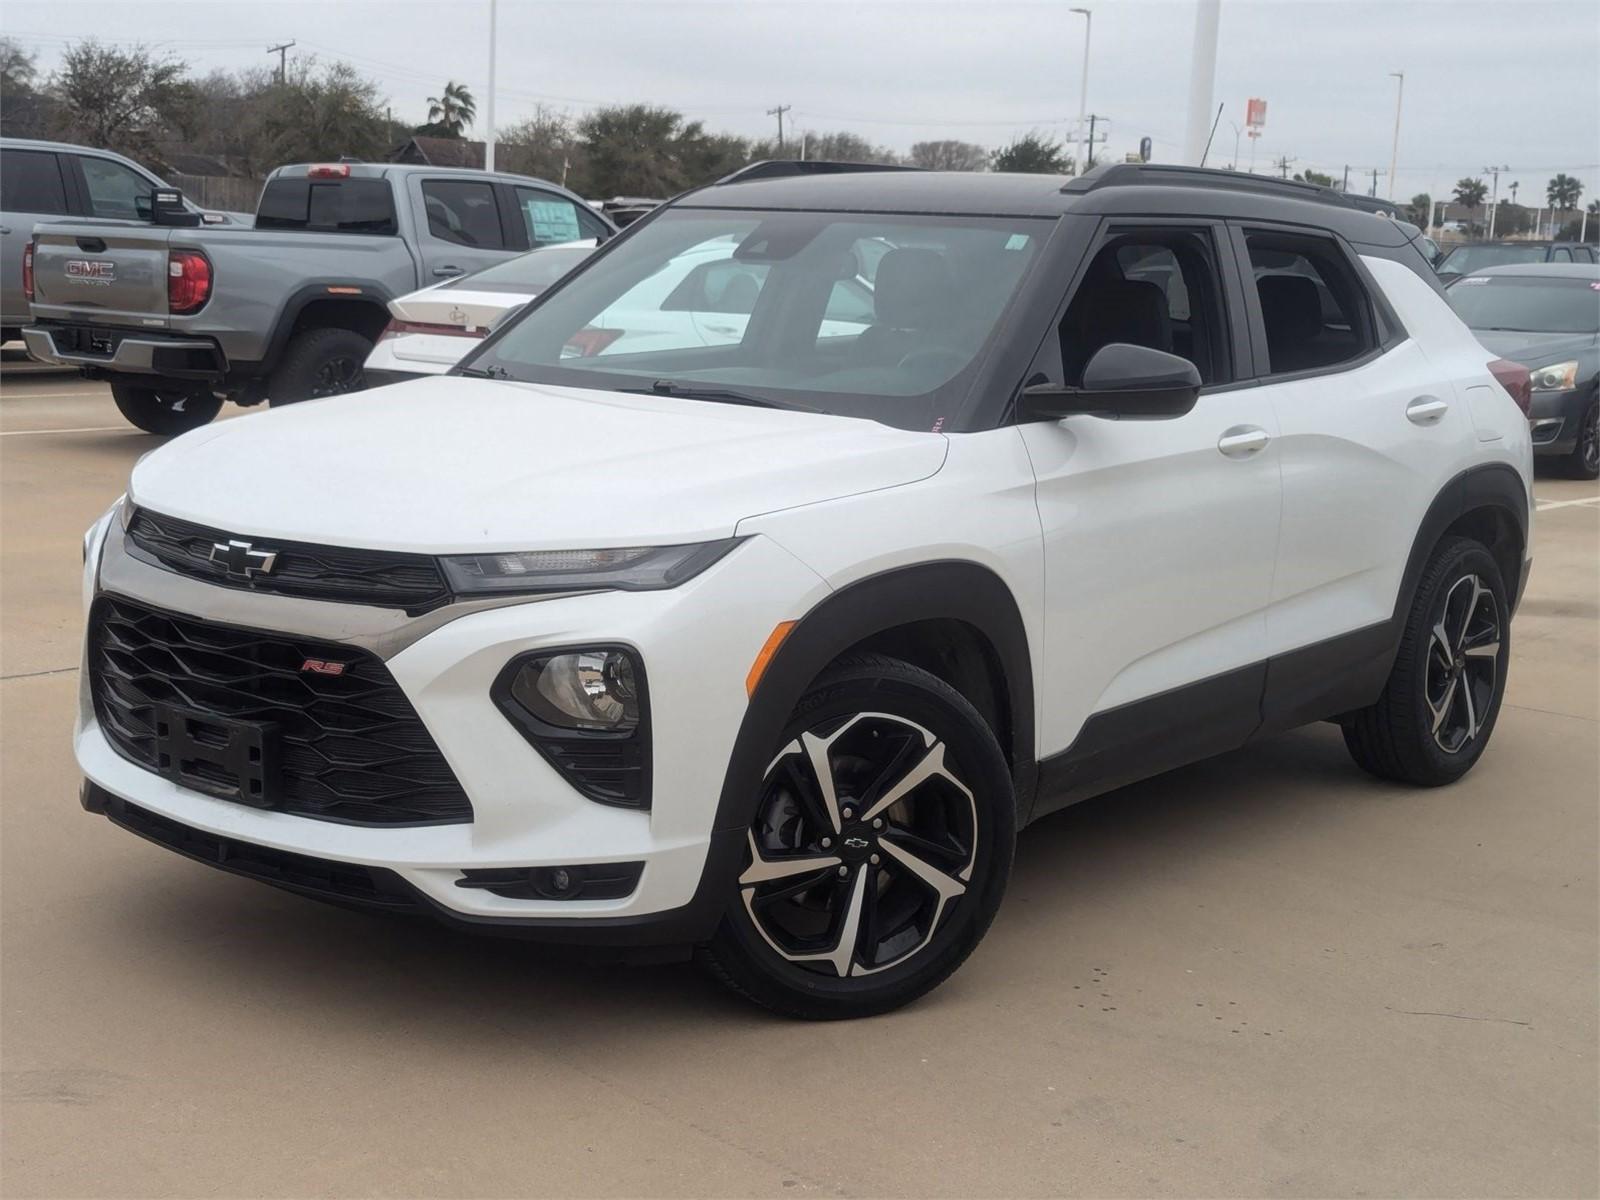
point(1559, 378)
point(586, 710)
point(631, 568)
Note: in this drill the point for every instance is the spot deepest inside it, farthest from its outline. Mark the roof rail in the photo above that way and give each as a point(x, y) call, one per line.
point(781, 168)
point(1167, 175)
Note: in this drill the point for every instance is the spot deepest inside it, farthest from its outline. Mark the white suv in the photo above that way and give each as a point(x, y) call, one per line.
point(767, 647)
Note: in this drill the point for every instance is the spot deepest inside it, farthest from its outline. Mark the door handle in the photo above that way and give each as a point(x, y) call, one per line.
point(1426, 410)
point(1243, 440)
point(446, 271)
point(5, 229)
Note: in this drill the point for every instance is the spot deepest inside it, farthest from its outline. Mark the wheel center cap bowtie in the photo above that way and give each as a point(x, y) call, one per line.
point(857, 842)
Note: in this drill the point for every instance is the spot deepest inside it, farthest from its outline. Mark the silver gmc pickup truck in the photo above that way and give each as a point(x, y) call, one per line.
point(178, 316)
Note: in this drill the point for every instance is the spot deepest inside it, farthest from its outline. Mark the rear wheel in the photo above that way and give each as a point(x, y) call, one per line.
point(1584, 460)
point(1438, 709)
point(319, 363)
point(879, 851)
point(164, 410)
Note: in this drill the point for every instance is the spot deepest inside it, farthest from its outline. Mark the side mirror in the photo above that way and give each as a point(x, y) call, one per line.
point(167, 208)
point(1122, 381)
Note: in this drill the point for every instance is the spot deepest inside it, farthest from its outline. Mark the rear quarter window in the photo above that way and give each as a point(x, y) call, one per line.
point(330, 206)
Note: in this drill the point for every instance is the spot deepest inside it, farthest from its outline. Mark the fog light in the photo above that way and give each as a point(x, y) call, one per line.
point(594, 881)
point(591, 689)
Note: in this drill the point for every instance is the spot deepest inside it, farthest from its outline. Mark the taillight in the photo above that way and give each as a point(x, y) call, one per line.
point(188, 281)
point(329, 171)
point(27, 271)
point(397, 328)
point(586, 343)
point(1516, 380)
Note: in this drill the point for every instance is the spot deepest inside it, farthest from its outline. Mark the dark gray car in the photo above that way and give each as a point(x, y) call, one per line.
point(1545, 316)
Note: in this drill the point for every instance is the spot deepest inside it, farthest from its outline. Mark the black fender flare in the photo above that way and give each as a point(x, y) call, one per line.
point(1491, 486)
point(295, 303)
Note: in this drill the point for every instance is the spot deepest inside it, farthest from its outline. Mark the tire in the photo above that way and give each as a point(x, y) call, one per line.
point(1584, 460)
point(319, 363)
point(898, 900)
point(1438, 709)
point(165, 410)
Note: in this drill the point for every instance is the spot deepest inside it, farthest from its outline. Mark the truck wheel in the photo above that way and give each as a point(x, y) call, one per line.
point(318, 363)
point(164, 410)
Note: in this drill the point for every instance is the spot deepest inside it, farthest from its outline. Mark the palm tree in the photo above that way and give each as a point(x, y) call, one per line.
point(1470, 193)
point(453, 111)
point(1563, 192)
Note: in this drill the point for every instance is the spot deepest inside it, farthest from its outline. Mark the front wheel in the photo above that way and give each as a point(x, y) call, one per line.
point(879, 850)
point(1438, 709)
point(1584, 461)
point(319, 363)
point(165, 411)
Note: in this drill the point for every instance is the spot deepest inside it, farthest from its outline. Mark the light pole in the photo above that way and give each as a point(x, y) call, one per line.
point(488, 138)
point(1237, 130)
point(1202, 78)
point(1394, 152)
point(1083, 91)
point(1494, 196)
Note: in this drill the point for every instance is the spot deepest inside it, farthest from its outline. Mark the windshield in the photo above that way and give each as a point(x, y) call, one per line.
point(526, 274)
point(1528, 304)
point(1465, 259)
point(861, 315)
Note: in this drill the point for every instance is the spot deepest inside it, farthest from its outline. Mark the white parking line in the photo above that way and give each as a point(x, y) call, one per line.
point(81, 429)
point(1547, 505)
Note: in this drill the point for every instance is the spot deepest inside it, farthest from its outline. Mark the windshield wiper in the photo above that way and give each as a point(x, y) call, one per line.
point(490, 372)
point(690, 391)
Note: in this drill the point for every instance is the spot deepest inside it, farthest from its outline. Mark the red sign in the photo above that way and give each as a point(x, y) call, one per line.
point(1255, 113)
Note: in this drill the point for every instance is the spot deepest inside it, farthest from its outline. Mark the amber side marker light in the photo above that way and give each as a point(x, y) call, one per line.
point(768, 649)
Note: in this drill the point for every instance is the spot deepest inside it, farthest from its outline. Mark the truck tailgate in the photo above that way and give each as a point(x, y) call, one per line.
point(101, 273)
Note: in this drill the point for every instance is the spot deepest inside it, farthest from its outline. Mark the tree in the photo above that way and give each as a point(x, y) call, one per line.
point(640, 150)
point(1469, 193)
point(124, 100)
point(1310, 176)
point(1563, 192)
point(449, 114)
point(1032, 154)
point(1511, 219)
point(949, 155)
point(545, 145)
point(838, 146)
point(316, 114)
point(23, 110)
point(1420, 210)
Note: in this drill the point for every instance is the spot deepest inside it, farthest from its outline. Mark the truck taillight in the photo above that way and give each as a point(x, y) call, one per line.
point(188, 281)
point(1516, 380)
point(27, 271)
point(329, 171)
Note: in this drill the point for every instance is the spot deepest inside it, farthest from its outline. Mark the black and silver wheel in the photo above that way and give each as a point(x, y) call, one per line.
point(165, 410)
point(879, 849)
point(320, 363)
point(1443, 696)
point(1584, 461)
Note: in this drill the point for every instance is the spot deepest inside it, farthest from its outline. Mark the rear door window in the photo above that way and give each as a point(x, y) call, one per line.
point(463, 212)
point(30, 182)
point(551, 219)
point(1314, 307)
point(114, 190)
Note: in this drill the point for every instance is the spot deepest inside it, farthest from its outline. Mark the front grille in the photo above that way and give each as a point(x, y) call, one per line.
point(350, 747)
point(377, 577)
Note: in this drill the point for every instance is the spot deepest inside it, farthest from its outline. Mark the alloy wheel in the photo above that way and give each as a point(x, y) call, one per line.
point(336, 377)
point(1589, 439)
point(864, 840)
point(1463, 663)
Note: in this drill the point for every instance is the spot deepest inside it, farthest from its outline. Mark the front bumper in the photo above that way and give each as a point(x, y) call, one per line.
point(697, 641)
point(1554, 419)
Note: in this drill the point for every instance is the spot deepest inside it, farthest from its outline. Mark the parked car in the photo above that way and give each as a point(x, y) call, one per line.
point(430, 329)
point(767, 647)
point(180, 319)
point(1467, 257)
point(1547, 317)
point(625, 210)
point(50, 181)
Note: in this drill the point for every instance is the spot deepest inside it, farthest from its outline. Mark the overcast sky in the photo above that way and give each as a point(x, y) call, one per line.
point(1506, 82)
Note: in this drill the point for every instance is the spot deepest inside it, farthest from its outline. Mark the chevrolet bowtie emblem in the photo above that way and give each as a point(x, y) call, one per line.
point(241, 559)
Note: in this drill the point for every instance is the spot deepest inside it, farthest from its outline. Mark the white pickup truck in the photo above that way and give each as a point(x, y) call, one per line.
point(178, 316)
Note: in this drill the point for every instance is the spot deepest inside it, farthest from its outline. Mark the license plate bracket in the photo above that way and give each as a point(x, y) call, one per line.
point(233, 760)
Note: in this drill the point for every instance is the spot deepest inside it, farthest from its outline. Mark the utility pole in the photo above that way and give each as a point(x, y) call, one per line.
point(1345, 186)
point(778, 112)
point(1494, 196)
point(1394, 152)
point(1083, 90)
point(1373, 192)
point(1283, 164)
point(1089, 142)
point(283, 59)
point(488, 137)
point(1202, 77)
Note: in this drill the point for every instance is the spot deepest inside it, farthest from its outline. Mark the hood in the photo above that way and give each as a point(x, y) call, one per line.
point(450, 464)
point(1535, 349)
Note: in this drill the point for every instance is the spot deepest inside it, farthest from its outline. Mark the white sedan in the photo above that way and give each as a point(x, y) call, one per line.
point(431, 329)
